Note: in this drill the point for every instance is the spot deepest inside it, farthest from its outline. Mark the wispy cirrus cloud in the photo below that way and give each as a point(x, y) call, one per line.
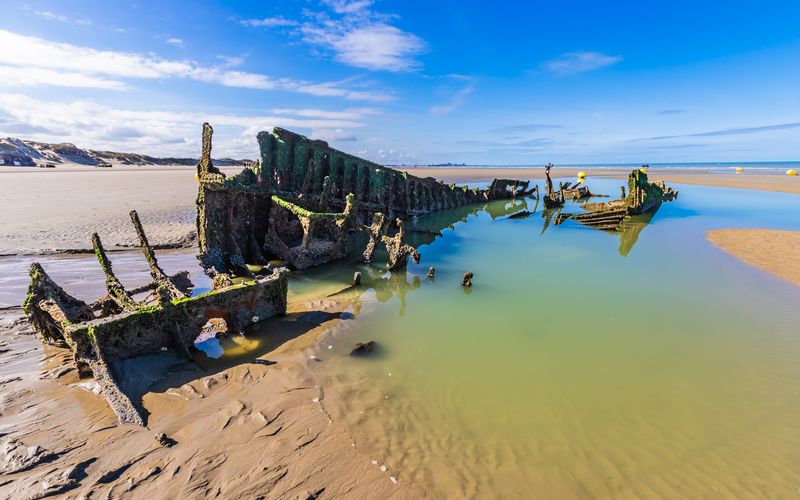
point(354, 34)
point(347, 114)
point(53, 16)
point(14, 76)
point(579, 62)
point(524, 127)
point(268, 22)
point(671, 111)
point(455, 101)
point(724, 132)
point(348, 6)
point(86, 67)
point(177, 42)
point(333, 135)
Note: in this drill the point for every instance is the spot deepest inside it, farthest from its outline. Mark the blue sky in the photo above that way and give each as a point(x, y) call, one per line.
point(411, 82)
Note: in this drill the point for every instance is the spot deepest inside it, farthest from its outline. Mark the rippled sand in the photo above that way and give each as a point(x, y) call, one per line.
point(293, 428)
point(258, 429)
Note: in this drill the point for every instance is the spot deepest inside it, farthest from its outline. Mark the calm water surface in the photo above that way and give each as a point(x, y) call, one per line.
point(581, 364)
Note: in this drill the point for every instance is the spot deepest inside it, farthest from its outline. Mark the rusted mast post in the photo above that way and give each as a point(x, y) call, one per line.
point(158, 274)
point(115, 288)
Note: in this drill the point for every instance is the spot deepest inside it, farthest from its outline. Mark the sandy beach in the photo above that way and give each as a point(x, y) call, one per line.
point(764, 182)
point(262, 426)
point(257, 429)
point(52, 210)
point(775, 252)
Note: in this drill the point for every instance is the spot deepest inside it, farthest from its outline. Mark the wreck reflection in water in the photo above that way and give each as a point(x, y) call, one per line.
point(571, 371)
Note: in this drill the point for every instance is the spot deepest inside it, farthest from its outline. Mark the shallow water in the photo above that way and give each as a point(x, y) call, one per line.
point(81, 275)
point(579, 365)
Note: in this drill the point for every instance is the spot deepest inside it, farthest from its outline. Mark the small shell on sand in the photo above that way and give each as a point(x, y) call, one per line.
point(383, 468)
point(393, 479)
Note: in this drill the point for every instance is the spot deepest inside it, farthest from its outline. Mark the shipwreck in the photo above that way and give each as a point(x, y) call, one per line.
point(302, 199)
point(293, 209)
point(642, 197)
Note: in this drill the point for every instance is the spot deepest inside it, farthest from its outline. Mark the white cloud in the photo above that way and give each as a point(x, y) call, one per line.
point(52, 16)
point(33, 77)
point(164, 133)
point(375, 46)
point(347, 6)
point(392, 156)
point(231, 61)
point(333, 135)
point(579, 62)
point(174, 41)
point(455, 101)
point(268, 22)
point(107, 69)
point(348, 114)
point(355, 35)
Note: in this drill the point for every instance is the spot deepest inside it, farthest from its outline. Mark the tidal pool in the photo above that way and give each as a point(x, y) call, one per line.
point(581, 363)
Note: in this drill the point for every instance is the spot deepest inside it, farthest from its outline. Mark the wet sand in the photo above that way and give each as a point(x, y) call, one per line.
point(253, 430)
point(776, 252)
point(244, 430)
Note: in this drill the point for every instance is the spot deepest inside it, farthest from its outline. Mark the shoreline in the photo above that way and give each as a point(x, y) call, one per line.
point(772, 251)
point(270, 423)
point(37, 219)
point(759, 181)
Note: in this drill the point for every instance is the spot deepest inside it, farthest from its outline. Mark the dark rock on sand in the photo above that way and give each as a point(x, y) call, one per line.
point(165, 441)
point(362, 349)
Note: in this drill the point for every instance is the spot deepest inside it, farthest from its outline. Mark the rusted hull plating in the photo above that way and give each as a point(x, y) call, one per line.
point(119, 326)
point(237, 219)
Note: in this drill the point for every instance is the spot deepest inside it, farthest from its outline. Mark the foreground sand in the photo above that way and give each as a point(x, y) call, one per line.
point(245, 430)
point(776, 252)
point(253, 430)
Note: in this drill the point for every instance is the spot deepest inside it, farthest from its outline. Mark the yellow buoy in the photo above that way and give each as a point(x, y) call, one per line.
point(739, 170)
point(581, 174)
point(643, 170)
point(791, 172)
